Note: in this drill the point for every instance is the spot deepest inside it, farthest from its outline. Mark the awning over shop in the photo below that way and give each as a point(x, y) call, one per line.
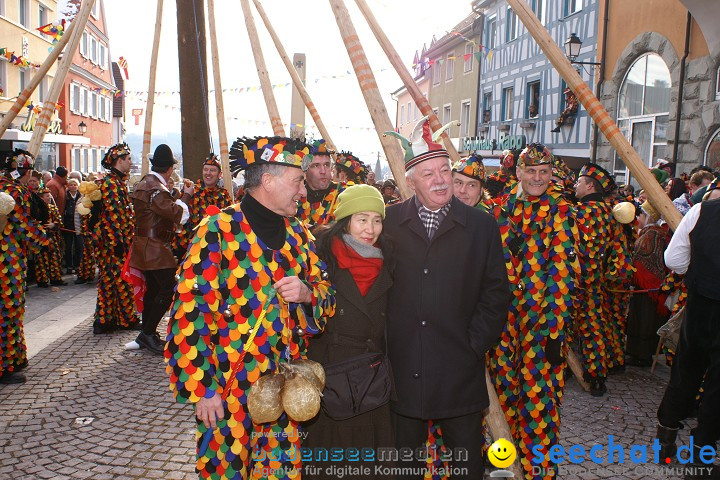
point(22, 136)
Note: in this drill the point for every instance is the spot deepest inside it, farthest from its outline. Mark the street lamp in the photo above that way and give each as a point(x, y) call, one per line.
point(572, 50)
point(82, 128)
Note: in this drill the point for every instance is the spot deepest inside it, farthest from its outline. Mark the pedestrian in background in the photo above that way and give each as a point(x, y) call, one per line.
point(73, 241)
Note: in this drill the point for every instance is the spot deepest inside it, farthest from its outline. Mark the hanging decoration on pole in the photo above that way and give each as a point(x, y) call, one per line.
point(43, 120)
point(273, 111)
point(370, 92)
point(407, 79)
point(147, 132)
point(658, 198)
point(222, 132)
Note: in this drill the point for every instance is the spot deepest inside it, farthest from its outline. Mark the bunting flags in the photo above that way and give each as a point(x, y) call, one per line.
point(482, 52)
point(19, 61)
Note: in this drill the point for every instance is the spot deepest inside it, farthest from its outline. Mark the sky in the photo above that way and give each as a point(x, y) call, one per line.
point(304, 26)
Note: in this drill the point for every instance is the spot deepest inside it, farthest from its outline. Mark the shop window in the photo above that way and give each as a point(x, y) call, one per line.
point(532, 99)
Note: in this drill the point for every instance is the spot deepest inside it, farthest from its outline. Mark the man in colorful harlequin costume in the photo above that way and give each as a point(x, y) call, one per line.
point(247, 264)
point(113, 226)
point(317, 206)
point(527, 365)
point(20, 234)
point(468, 177)
point(349, 169)
point(501, 182)
point(601, 258)
point(207, 193)
point(48, 262)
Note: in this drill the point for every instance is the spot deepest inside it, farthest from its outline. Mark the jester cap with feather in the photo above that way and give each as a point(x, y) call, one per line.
point(425, 146)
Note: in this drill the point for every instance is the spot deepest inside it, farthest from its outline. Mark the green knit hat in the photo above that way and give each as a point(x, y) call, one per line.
point(359, 198)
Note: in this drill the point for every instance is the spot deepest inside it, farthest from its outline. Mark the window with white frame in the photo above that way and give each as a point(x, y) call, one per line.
point(532, 99)
point(93, 104)
point(83, 101)
point(487, 107)
point(76, 157)
point(93, 164)
point(3, 77)
point(465, 119)
point(572, 6)
point(24, 13)
point(93, 50)
point(101, 57)
point(415, 117)
point(103, 109)
point(468, 58)
point(42, 16)
point(437, 73)
point(42, 90)
point(84, 45)
point(108, 110)
point(450, 66)
point(507, 103)
point(511, 24)
point(86, 157)
point(491, 33)
point(94, 10)
point(23, 79)
point(538, 6)
point(2, 8)
point(75, 98)
point(402, 115)
point(447, 113)
point(435, 111)
point(408, 109)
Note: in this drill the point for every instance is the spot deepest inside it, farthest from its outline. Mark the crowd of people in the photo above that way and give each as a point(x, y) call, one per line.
point(511, 274)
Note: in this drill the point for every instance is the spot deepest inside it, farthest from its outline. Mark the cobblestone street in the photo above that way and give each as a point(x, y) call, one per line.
point(92, 409)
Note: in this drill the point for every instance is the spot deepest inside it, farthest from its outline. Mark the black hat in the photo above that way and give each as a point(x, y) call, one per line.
point(163, 157)
point(61, 171)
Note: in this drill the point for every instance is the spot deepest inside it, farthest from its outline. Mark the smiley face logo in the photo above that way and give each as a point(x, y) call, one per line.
point(502, 453)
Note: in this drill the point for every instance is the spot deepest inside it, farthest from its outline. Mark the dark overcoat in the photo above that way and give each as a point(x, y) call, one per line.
point(447, 307)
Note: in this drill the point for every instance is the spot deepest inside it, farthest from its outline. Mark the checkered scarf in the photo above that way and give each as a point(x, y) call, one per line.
point(431, 220)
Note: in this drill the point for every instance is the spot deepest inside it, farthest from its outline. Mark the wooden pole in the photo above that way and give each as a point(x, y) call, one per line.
point(273, 111)
point(35, 81)
point(577, 370)
point(370, 92)
point(58, 83)
point(297, 105)
point(406, 78)
point(147, 132)
point(219, 105)
point(658, 198)
point(297, 81)
point(498, 425)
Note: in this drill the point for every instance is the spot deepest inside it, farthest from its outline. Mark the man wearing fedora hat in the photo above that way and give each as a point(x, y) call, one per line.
point(156, 215)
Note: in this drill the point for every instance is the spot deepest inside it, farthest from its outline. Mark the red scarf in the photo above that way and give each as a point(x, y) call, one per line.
point(363, 270)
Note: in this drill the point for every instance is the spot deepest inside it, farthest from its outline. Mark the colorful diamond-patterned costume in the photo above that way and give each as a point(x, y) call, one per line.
point(603, 256)
point(113, 234)
point(20, 235)
point(48, 262)
point(527, 365)
point(318, 208)
point(203, 198)
point(88, 260)
point(226, 283)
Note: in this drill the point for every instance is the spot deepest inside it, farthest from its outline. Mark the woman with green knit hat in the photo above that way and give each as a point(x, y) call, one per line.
point(358, 257)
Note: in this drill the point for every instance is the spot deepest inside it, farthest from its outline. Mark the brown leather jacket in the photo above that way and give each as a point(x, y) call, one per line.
point(156, 214)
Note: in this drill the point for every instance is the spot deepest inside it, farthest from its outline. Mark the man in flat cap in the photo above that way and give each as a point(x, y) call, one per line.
point(446, 308)
point(156, 217)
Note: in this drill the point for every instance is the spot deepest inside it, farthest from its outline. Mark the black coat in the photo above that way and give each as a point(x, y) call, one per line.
point(447, 307)
point(357, 327)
